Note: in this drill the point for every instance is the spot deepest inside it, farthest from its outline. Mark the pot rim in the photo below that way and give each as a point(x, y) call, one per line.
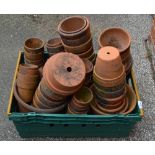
point(59, 42)
point(72, 17)
point(117, 28)
point(82, 102)
point(67, 35)
point(28, 39)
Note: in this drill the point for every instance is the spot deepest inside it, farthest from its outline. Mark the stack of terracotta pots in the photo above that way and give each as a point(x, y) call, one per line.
point(27, 81)
point(76, 36)
point(119, 38)
point(63, 75)
point(109, 82)
point(34, 51)
point(89, 72)
point(80, 103)
point(54, 46)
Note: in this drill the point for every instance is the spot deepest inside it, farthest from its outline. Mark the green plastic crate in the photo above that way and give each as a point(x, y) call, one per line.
point(67, 125)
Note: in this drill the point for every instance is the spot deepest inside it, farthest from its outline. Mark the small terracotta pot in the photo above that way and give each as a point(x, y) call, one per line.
point(75, 31)
point(84, 96)
point(108, 63)
point(32, 108)
point(86, 54)
point(27, 85)
point(28, 69)
point(64, 73)
point(71, 110)
point(26, 94)
point(34, 45)
point(79, 49)
point(116, 37)
point(54, 46)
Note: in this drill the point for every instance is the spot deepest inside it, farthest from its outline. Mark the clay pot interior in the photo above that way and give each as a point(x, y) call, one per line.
point(73, 24)
point(54, 42)
point(115, 37)
point(34, 43)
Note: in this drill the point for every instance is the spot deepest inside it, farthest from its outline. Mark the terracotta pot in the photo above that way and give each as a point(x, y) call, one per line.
point(78, 106)
point(75, 31)
point(27, 85)
point(48, 92)
point(89, 67)
point(28, 77)
point(33, 57)
point(109, 82)
point(86, 54)
point(54, 46)
point(28, 69)
point(110, 89)
point(37, 62)
point(116, 37)
point(33, 109)
point(34, 45)
point(84, 96)
point(75, 42)
point(47, 101)
point(108, 63)
point(26, 94)
point(79, 49)
point(73, 24)
point(64, 74)
point(111, 111)
point(73, 111)
point(112, 94)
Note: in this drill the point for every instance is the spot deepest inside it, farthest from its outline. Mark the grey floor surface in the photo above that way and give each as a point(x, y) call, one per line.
point(14, 29)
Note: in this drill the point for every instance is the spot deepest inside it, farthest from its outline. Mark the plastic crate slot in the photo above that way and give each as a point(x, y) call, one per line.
point(83, 125)
point(97, 125)
point(51, 125)
point(66, 125)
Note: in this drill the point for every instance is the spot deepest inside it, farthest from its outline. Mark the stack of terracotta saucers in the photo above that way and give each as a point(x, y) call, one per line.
point(80, 103)
point(63, 75)
point(110, 82)
point(54, 46)
point(34, 51)
point(76, 37)
point(119, 38)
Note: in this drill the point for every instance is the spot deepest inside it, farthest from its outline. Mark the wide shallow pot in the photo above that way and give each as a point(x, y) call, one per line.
point(34, 45)
point(79, 49)
point(116, 37)
point(108, 63)
point(65, 71)
point(74, 30)
point(32, 108)
point(54, 46)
